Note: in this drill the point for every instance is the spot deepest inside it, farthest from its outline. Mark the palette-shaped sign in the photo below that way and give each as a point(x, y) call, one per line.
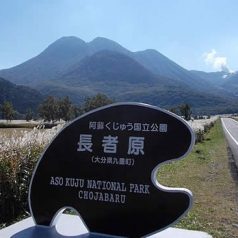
point(104, 165)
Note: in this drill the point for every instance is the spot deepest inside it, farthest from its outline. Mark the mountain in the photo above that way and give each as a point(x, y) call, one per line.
point(22, 97)
point(73, 67)
point(111, 73)
point(225, 81)
point(161, 65)
point(110, 67)
point(56, 59)
point(107, 72)
point(101, 43)
point(231, 84)
point(154, 61)
point(67, 52)
point(214, 78)
point(51, 62)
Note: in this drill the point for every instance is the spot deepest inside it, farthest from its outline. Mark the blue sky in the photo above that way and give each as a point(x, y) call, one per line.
point(196, 34)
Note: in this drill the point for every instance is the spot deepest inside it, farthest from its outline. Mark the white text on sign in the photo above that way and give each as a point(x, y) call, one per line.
point(109, 144)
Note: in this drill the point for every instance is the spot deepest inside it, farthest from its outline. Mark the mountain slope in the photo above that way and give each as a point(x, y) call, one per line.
point(109, 66)
point(225, 82)
point(22, 97)
point(161, 65)
point(231, 84)
point(58, 57)
point(50, 63)
point(200, 103)
point(214, 78)
point(107, 72)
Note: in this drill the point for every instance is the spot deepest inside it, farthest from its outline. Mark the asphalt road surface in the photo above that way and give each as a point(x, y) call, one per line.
point(230, 127)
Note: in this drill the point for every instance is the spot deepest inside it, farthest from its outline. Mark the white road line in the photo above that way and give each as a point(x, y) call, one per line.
point(234, 121)
point(229, 132)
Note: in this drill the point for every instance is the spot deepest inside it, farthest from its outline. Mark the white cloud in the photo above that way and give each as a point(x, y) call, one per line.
point(217, 62)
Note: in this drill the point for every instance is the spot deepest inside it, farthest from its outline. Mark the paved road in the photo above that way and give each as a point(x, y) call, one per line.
point(230, 127)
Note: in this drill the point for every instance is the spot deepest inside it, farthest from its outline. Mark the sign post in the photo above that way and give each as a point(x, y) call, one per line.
point(104, 165)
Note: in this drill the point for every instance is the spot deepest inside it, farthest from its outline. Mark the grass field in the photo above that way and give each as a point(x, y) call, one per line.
point(209, 173)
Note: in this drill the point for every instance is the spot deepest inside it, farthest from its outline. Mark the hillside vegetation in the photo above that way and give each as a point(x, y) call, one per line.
point(22, 97)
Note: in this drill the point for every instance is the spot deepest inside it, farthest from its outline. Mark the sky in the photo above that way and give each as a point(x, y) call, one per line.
point(196, 34)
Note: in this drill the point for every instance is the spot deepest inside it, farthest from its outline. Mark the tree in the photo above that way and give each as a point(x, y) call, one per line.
point(96, 101)
point(66, 109)
point(29, 115)
point(185, 111)
point(53, 109)
point(48, 109)
point(174, 110)
point(8, 111)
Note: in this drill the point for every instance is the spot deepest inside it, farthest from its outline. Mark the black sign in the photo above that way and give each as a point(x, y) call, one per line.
point(104, 165)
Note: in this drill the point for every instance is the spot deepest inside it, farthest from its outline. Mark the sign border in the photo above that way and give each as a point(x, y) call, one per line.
point(153, 173)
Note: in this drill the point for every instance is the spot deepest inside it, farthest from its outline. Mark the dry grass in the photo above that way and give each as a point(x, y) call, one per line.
point(208, 174)
point(9, 132)
point(19, 152)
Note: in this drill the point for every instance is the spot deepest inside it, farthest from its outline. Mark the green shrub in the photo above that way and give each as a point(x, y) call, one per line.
point(19, 153)
point(16, 168)
point(200, 136)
